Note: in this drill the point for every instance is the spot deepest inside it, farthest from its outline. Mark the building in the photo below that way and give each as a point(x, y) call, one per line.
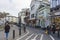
point(43, 15)
point(24, 15)
point(55, 11)
point(27, 17)
point(11, 19)
point(34, 6)
point(6, 17)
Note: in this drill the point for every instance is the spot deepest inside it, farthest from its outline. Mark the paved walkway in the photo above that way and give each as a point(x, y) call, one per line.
point(2, 34)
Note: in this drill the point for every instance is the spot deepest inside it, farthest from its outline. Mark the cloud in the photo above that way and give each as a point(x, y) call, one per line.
point(14, 6)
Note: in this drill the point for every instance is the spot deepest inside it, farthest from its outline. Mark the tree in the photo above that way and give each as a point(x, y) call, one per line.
point(4, 14)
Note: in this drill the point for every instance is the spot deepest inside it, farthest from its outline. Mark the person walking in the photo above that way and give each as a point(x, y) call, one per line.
point(24, 28)
point(54, 28)
point(48, 29)
point(7, 28)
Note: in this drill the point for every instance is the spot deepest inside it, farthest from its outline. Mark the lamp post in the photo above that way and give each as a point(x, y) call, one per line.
point(20, 25)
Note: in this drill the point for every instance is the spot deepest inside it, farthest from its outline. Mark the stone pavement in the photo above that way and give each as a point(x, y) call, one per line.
point(2, 34)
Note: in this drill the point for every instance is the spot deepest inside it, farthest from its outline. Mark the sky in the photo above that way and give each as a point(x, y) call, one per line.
point(13, 6)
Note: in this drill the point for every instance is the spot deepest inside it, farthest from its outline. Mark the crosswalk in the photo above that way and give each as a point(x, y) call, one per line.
point(34, 36)
point(29, 37)
point(41, 37)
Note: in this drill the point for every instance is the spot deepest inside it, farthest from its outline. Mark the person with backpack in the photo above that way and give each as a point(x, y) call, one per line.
point(7, 29)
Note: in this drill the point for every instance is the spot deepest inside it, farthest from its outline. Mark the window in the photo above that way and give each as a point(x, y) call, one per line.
point(32, 7)
point(41, 13)
point(32, 16)
point(41, 6)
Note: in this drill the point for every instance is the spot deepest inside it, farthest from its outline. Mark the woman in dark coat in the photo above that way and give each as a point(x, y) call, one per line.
point(7, 28)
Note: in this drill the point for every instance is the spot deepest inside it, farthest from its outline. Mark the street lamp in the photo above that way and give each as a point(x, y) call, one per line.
point(19, 25)
point(19, 21)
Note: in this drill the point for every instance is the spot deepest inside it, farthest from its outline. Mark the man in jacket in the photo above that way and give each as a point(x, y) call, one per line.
point(7, 28)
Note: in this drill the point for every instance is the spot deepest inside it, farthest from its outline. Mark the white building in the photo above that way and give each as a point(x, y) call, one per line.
point(12, 19)
point(8, 18)
point(35, 11)
point(22, 15)
point(34, 6)
point(43, 15)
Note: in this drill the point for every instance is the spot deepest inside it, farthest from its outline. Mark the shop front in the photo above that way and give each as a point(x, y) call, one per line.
point(56, 19)
point(44, 21)
point(32, 22)
point(41, 21)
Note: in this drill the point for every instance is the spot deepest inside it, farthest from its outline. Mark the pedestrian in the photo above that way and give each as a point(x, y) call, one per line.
point(48, 28)
point(54, 28)
point(24, 28)
point(7, 29)
point(58, 28)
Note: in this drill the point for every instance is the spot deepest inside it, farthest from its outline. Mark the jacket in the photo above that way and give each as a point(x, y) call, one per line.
point(7, 28)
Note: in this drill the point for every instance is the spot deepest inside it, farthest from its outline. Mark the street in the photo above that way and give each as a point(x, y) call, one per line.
point(35, 34)
point(30, 34)
point(30, 19)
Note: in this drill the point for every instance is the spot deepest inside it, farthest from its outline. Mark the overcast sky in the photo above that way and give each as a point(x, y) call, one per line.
point(13, 6)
